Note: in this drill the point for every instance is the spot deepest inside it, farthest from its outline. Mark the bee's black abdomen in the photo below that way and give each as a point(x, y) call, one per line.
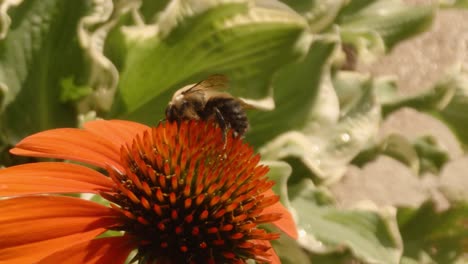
point(232, 112)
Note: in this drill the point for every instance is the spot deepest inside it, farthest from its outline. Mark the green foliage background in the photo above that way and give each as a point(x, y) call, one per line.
point(65, 62)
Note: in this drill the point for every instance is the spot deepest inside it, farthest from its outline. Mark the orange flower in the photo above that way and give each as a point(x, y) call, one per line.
point(178, 193)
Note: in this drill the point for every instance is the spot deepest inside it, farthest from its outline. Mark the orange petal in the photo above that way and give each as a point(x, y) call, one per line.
point(36, 226)
point(286, 223)
point(273, 256)
point(52, 177)
point(33, 252)
point(70, 143)
point(118, 132)
point(103, 250)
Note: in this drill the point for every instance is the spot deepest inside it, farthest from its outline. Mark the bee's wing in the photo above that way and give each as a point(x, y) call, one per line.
point(216, 82)
point(215, 85)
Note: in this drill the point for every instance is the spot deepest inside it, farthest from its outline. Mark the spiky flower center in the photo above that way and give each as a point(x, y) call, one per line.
point(191, 197)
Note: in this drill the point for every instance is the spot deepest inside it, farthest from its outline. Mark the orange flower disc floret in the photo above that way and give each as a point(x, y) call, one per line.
point(189, 196)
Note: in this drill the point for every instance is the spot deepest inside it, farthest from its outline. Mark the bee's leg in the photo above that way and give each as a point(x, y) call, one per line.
point(222, 123)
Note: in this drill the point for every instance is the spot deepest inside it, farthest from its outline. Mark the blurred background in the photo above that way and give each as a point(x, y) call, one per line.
point(417, 63)
point(360, 106)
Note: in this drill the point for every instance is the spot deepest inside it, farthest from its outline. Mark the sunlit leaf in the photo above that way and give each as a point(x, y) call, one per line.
point(370, 28)
point(326, 148)
point(349, 87)
point(322, 14)
point(354, 7)
point(392, 20)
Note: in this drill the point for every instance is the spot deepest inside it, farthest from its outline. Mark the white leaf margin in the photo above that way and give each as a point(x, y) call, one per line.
point(5, 22)
point(93, 30)
point(5, 19)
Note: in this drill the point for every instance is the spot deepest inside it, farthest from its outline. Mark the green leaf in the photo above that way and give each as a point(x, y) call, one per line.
point(5, 20)
point(432, 156)
point(279, 172)
point(454, 3)
point(72, 92)
point(364, 46)
point(193, 39)
point(339, 257)
point(295, 89)
point(300, 6)
point(422, 155)
point(289, 251)
point(447, 100)
point(371, 236)
point(395, 146)
point(454, 114)
point(151, 9)
point(367, 27)
point(353, 7)
point(394, 21)
point(370, 28)
point(39, 51)
point(432, 100)
point(350, 88)
point(3, 91)
point(325, 145)
point(440, 235)
point(322, 14)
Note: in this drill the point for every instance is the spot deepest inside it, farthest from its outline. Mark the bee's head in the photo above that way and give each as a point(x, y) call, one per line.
point(185, 105)
point(182, 109)
point(175, 111)
point(176, 107)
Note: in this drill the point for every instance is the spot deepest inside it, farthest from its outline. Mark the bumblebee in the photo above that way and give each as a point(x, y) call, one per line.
point(208, 100)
